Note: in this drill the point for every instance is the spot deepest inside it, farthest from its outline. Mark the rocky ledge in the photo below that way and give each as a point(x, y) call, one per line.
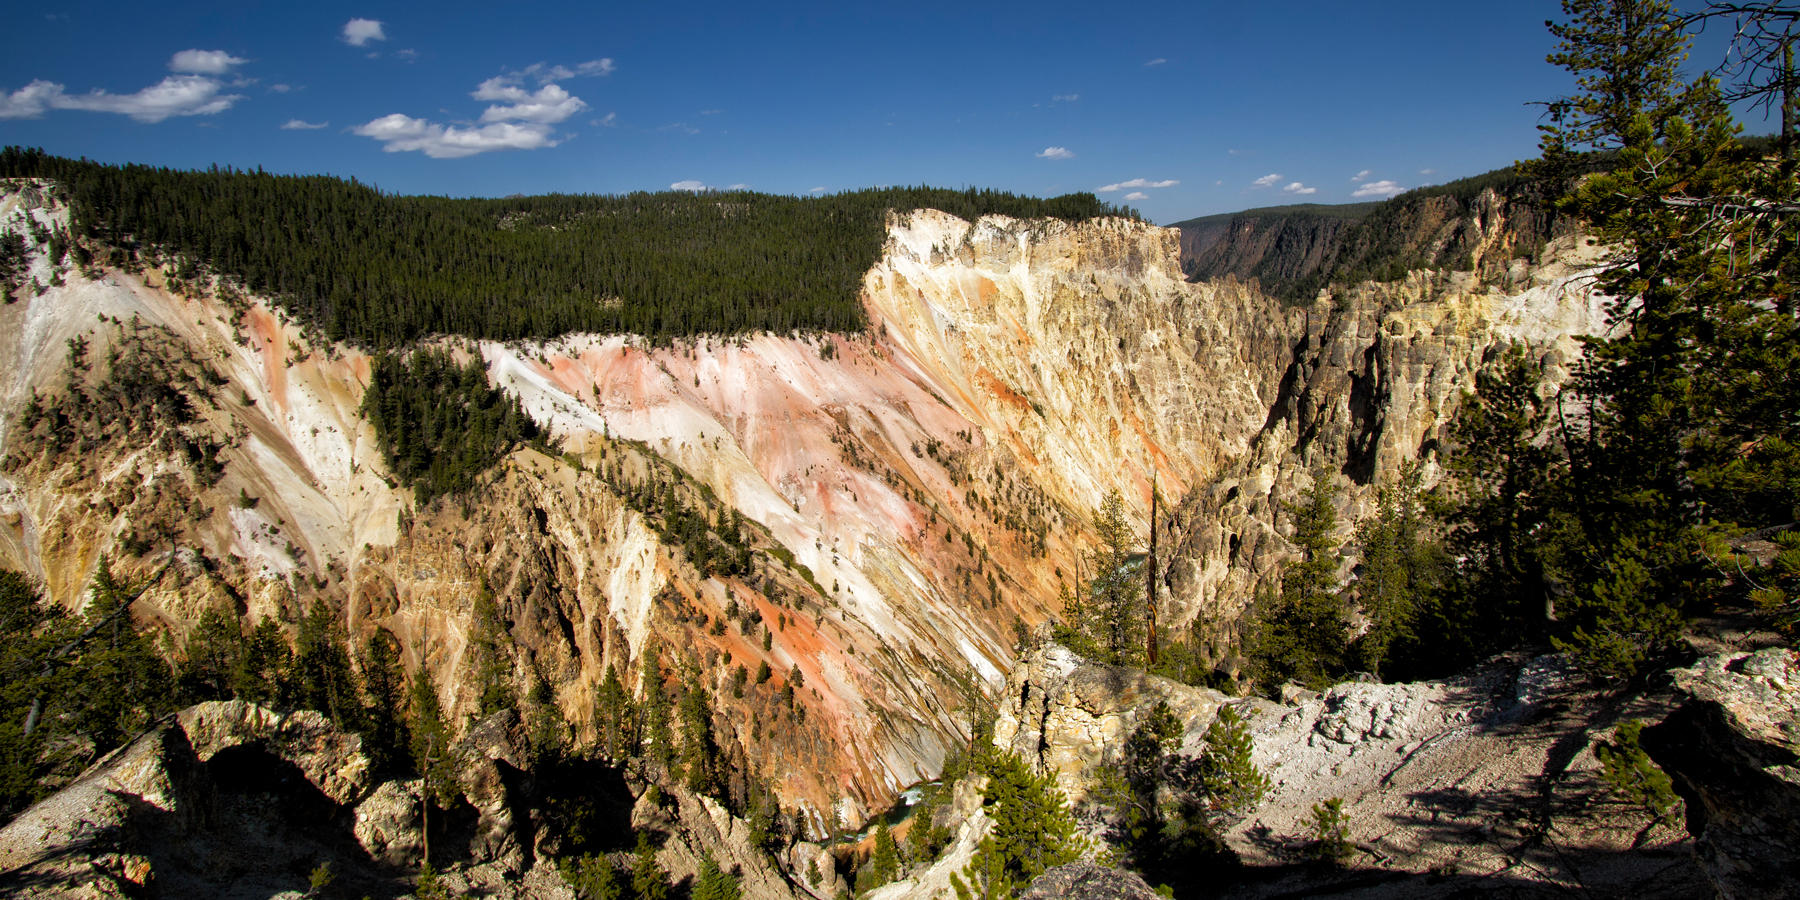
point(1733, 751)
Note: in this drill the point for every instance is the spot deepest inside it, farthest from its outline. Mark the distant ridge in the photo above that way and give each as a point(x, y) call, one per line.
point(1294, 251)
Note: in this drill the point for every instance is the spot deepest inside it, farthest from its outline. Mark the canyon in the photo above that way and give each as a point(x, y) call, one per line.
point(920, 493)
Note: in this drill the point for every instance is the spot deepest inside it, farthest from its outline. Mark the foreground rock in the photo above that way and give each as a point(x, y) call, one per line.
point(1733, 751)
point(1088, 881)
point(1478, 783)
point(216, 813)
point(234, 800)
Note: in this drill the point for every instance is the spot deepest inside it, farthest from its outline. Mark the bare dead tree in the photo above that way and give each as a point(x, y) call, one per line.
point(1759, 63)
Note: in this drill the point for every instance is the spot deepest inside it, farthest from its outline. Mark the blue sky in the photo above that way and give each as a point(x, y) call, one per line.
point(1179, 109)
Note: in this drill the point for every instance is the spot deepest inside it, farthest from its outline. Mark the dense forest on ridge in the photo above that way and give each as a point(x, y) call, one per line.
point(382, 270)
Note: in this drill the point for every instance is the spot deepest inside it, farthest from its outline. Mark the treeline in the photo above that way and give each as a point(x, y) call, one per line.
point(440, 424)
point(382, 270)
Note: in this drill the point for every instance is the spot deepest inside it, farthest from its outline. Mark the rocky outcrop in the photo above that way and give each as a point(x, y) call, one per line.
point(81, 842)
point(240, 806)
point(489, 768)
point(1069, 717)
point(1088, 881)
point(697, 827)
point(1733, 751)
point(388, 823)
point(330, 758)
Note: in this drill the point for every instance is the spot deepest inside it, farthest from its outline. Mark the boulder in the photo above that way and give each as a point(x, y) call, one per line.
point(387, 823)
point(1733, 751)
point(1089, 881)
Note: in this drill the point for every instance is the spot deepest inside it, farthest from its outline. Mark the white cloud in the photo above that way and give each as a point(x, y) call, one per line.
point(738, 187)
point(545, 73)
point(399, 133)
point(408, 54)
point(302, 125)
point(204, 62)
point(689, 185)
point(711, 112)
point(30, 101)
point(1382, 188)
point(1427, 171)
point(1056, 153)
point(1269, 180)
point(358, 32)
point(1156, 62)
point(518, 119)
point(1361, 175)
point(1137, 195)
point(281, 88)
point(1137, 183)
point(1298, 188)
point(610, 120)
point(818, 190)
point(176, 95)
point(548, 105)
point(1065, 98)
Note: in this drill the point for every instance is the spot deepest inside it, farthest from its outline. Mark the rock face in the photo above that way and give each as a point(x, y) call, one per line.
point(910, 496)
point(1733, 751)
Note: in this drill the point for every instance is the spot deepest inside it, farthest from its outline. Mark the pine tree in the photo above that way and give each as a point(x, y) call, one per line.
point(1400, 563)
point(613, 718)
point(262, 671)
point(884, 862)
point(714, 883)
point(658, 735)
point(1301, 635)
point(431, 740)
point(387, 739)
point(210, 656)
point(649, 880)
point(490, 660)
point(1689, 444)
point(1032, 831)
point(593, 877)
point(699, 749)
point(1228, 776)
point(1626, 56)
point(321, 667)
